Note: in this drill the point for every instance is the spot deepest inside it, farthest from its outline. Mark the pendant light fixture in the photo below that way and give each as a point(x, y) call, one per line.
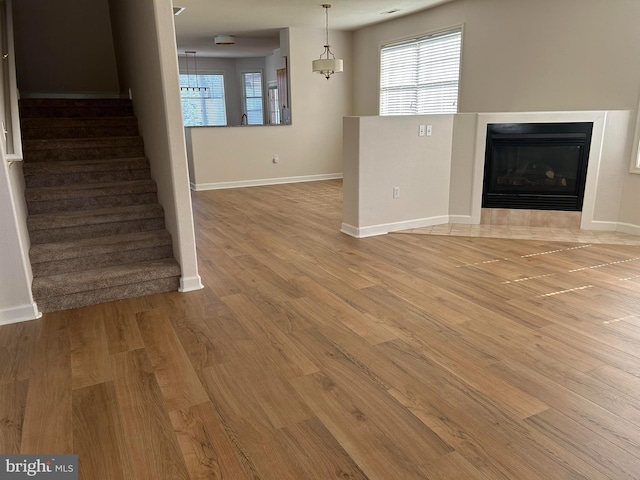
point(195, 91)
point(327, 64)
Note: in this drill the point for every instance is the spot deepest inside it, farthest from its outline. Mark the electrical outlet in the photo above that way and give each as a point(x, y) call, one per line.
point(429, 130)
point(422, 130)
point(396, 192)
point(276, 159)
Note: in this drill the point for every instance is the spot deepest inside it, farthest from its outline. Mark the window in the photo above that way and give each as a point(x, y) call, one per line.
point(252, 97)
point(420, 76)
point(203, 100)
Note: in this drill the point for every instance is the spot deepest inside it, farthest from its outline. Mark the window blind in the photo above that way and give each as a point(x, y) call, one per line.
point(252, 94)
point(421, 76)
point(203, 107)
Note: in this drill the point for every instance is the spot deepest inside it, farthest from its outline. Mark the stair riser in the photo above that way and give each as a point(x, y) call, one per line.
point(62, 154)
point(51, 235)
point(75, 112)
point(91, 202)
point(86, 178)
point(51, 133)
point(101, 261)
point(64, 302)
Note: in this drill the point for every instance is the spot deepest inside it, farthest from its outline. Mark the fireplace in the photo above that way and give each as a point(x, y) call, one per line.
point(537, 166)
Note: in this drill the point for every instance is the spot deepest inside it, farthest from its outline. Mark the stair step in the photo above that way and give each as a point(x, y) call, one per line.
point(52, 128)
point(75, 224)
point(90, 196)
point(82, 148)
point(74, 108)
point(70, 290)
point(100, 252)
point(73, 172)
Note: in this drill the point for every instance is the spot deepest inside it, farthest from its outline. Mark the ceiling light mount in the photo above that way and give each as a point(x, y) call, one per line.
point(327, 64)
point(224, 40)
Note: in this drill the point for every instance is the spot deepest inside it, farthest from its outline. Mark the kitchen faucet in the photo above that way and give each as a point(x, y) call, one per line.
point(244, 120)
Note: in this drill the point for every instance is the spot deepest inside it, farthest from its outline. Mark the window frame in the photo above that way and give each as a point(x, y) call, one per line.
point(634, 164)
point(224, 95)
point(417, 38)
point(262, 93)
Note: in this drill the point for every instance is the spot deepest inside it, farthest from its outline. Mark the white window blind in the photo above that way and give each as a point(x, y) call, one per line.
point(203, 100)
point(252, 96)
point(421, 76)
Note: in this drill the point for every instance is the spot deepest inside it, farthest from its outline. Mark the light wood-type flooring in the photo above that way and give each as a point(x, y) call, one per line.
point(314, 355)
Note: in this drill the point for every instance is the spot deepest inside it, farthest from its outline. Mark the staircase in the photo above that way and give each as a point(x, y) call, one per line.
point(96, 228)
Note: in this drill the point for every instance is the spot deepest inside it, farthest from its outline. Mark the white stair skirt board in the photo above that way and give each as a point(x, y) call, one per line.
point(22, 313)
point(264, 181)
point(385, 228)
point(190, 284)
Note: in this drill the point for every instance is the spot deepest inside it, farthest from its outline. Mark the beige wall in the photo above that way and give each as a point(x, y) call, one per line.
point(521, 55)
point(386, 152)
point(310, 147)
point(144, 38)
point(630, 205)
point(64, 47)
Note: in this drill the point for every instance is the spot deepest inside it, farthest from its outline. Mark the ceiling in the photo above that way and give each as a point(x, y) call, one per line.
point(256, 23)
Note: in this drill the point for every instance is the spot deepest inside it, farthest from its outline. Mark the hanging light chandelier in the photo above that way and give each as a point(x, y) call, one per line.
point(327, 64)
point(195, 91)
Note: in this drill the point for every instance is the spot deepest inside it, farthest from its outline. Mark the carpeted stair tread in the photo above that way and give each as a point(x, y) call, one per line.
point(110, 294)
point(102, 189)
point(85, 165)
point(79, 143)
point(42, 123)
point(87, 247)
point(75, 282)
point(72, 108)
point(50, 221)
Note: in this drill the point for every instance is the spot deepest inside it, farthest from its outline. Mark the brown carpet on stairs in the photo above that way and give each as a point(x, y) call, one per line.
point(96, 228)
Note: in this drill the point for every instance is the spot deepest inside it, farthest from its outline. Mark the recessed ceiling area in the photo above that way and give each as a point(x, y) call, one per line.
point(255, 24)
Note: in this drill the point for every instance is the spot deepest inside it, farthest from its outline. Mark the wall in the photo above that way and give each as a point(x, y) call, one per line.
point(310, 148)
point(64, 47)
point(630, 205)
point(144, 38)
point(386, 152)
point(547, 55)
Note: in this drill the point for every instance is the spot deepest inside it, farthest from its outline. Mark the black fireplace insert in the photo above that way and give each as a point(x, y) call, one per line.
point(537, 166)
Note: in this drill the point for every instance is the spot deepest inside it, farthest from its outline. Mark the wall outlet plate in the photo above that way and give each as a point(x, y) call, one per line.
point(396, 192)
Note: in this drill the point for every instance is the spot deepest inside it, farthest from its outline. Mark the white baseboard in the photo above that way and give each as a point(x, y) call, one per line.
point(190, 284)
point(264, 181)
point(382, 229)
point(21, 313)
point(628, 228)
point(599, 225)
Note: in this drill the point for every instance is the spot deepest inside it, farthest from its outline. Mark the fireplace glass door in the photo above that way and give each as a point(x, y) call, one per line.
point(536, 166)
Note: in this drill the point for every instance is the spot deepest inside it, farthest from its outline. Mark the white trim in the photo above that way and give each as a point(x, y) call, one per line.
point(599, 225)
point(190, 284)
point(264, 181)
point(385, 228)
point(21, 313)
point(628, 228)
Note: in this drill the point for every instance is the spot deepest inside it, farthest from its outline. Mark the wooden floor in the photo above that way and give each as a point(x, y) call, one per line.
point(314, 355)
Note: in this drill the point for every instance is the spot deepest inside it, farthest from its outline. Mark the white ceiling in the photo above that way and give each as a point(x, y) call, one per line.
point(256, 23)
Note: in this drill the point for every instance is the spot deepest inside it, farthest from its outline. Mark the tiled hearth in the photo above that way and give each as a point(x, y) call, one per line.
point(529, 225)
